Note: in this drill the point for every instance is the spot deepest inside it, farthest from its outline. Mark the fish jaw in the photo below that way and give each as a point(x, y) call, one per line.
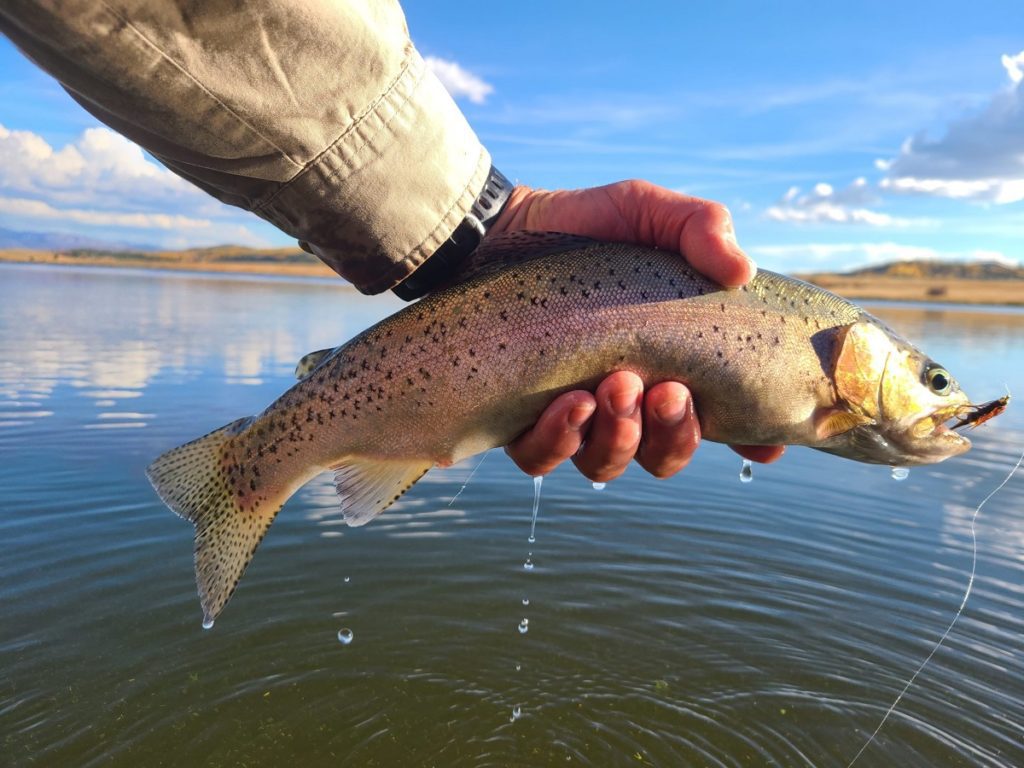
point(928, 439)
point(899, 447)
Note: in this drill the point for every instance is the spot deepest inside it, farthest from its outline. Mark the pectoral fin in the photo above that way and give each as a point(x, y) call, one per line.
point(367, 487)
point(830, 422)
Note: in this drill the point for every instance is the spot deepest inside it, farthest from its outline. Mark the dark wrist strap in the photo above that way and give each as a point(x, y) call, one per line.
point(462, 242)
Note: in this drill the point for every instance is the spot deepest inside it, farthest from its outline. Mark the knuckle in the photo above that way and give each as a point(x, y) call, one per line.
point(718, 211)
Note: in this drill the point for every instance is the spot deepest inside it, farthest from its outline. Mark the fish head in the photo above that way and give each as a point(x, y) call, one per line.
point(898, 400)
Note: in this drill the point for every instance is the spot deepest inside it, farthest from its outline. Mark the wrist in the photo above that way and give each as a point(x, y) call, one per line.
point(484, 213)
point(516, 212)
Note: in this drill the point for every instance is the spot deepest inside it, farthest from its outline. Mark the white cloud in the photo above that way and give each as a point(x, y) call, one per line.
point(99, 168)
point(1012, 65)
point(980, 157)
point(459, 82)
point(37, 209)
point(824, 204)
point(103, 185)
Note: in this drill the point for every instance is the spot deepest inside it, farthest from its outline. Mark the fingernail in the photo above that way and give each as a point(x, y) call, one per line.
point(671, 412)
point(624, 404)
point(579, 415)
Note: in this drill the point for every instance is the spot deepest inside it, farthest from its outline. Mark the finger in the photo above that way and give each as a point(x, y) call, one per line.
point(556, 436)
point(763, 454)
point(671, 431)
point(708, 242)
point(614, 435)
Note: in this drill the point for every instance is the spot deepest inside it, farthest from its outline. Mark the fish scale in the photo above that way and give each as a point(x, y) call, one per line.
point(471, 367)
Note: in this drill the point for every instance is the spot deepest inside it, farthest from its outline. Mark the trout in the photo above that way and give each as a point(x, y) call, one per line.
point(776, 362)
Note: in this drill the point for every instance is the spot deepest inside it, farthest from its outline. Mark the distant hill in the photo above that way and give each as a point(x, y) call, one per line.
point(224, 258)
point(958, 282)
point(220, 254)
point(60, 241)
point(974, 270)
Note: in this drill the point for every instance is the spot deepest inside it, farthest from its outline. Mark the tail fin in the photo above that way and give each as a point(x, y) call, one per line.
point(198, 481)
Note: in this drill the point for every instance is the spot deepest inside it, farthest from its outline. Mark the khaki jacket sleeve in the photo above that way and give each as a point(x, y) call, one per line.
point(318, 116)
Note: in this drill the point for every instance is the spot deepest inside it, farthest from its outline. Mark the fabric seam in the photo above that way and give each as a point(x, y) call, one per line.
point(357, 122)
point(415, 257)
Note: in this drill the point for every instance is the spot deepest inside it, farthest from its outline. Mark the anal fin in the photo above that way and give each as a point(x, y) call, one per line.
point(367, 487)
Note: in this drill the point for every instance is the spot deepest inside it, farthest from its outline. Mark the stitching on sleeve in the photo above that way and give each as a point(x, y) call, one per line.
point(353, 127)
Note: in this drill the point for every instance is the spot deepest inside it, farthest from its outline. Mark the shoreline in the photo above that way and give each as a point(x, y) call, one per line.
point(50, 258)
point(932, 290)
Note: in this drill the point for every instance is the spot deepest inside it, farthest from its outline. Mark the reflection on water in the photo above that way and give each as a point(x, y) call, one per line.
point(699, 621)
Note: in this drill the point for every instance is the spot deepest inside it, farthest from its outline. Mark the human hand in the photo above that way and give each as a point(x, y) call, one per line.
point(620, 422)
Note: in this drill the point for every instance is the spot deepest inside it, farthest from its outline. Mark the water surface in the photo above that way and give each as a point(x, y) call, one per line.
point(696, 621)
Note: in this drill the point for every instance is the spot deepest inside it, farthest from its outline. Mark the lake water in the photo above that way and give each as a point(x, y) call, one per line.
point(697, 621)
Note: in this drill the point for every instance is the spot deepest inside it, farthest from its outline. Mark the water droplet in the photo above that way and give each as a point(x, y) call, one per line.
point(900, 473)
point(537, 482)
point(747, 472)
point(524, 626)
point(207, 622)
point(518, 667)
point(532, 539)
point(345, 636)
point(526, 601)
point(348, 579)
point(599, 486)
point(516, 714)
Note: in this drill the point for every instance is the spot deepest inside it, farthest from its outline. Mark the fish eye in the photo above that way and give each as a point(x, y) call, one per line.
point(939, 380)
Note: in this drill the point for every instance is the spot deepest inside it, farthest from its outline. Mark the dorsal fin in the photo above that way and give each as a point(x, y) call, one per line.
point(512, 248)
point(308, 362)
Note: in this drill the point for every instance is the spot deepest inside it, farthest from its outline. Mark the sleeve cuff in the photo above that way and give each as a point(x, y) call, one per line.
point(380, 200)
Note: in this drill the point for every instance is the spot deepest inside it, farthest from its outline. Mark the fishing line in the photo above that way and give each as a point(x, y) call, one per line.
point(484, 456)
point(956, 617)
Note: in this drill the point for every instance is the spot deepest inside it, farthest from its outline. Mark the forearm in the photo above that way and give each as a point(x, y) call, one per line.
point(320, 118)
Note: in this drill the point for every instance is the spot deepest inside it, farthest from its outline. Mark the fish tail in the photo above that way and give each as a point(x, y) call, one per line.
point(204, 482)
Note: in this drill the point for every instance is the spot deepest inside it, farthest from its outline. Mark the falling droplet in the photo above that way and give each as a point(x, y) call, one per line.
point(526, 601)
point(518, 667)
point(524, 626)
point(345, 636)
point(207, 622)
point(528, 565)
point(747, 472)
point(900, 473)
point(599, 486)
point(537, 482)
point(516, 714)
point(347, 579)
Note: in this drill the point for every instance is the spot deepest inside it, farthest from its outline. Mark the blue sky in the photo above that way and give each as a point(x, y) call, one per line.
point(837, 137)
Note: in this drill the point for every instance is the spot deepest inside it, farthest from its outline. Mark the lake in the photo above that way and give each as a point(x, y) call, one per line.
point(696, 621)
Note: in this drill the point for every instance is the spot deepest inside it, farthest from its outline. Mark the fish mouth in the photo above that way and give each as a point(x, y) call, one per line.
point(940, 430)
